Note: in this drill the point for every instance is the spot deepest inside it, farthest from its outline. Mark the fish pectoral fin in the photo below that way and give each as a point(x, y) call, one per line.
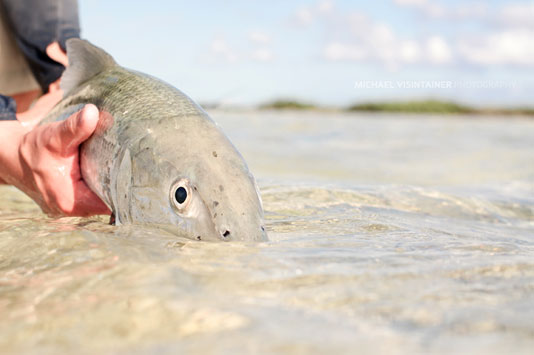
point(85, 61)
point(112, 220)
point(123, 183)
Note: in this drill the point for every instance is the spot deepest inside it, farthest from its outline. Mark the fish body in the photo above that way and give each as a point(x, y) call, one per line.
point(156, 157)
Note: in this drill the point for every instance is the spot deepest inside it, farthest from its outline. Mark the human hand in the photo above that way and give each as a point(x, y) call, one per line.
point(40, 108)
point(50, 166)
point(43, 161)
point(46, 102)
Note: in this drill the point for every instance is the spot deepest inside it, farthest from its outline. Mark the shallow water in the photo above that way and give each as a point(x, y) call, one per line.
point(387, 235)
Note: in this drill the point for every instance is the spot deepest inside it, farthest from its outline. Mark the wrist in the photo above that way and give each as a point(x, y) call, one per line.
point(11, 134)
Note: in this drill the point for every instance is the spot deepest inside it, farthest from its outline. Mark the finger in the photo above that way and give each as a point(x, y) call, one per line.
point(54, 51)
point(55, 86)
point(86, 202)
point(27, 122)
point(76, 129)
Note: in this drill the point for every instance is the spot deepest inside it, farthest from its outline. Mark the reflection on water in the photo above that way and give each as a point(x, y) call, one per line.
point(388, 235)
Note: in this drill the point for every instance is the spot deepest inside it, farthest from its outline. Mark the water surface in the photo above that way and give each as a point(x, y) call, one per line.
point(388, 234)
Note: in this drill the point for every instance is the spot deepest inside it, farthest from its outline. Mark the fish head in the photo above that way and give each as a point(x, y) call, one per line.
point(186, 176)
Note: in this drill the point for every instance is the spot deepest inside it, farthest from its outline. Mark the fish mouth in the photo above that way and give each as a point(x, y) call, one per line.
point(222, 233)
point(243, 234)
point(172, 229)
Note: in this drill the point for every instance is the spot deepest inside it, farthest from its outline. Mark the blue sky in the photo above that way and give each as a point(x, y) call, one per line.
point(334, 52)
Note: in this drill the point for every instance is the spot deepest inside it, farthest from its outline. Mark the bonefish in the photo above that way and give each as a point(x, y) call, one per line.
point(156, 157)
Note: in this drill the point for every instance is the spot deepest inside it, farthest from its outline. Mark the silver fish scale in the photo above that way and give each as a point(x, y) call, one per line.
point(119, 90)
point(128, 96)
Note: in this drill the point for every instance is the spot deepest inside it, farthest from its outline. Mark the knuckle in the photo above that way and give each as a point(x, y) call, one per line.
point(64, 204)
point(71, 124)
point(51, 138)
point(41, 168)
point(25, 149)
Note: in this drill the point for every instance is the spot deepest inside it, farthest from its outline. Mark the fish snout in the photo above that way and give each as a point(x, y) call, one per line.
point(243, 233)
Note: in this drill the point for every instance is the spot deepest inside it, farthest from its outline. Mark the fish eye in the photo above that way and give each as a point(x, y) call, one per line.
point(180, 194)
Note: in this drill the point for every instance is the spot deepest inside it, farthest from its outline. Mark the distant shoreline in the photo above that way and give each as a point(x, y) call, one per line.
point(409, 107)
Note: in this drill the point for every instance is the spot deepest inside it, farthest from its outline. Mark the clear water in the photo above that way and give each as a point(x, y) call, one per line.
point(388, 235)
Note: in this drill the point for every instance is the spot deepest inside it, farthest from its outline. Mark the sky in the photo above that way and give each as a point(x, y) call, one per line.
point(330, 52)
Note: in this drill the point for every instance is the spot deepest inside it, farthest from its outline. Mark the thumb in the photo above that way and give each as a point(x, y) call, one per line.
point(76, 129)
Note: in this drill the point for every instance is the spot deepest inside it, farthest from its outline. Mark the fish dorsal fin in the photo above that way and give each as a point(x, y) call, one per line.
point(85, 61)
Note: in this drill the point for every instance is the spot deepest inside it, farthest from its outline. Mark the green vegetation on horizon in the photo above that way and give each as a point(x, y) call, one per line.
point(427, 106)
point(415, 107)
point(288, 105)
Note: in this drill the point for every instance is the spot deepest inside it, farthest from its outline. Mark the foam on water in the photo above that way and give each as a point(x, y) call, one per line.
point(388, 235)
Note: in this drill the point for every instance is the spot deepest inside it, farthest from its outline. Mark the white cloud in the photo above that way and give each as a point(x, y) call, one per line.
point(337, 51)
point(263, 55)
point(325, 6)
point(304, 16)
point(356, 22)
point(465, 11)
point(410, 51)
point(356, 37)
point(259, 37)
point(258, 50)
point(510, 14)
point(509, 47)
point(434, 10)
point(510, 40)
point(410, 2)
point(220, 48)
point(369, 40)
point(438, 50)
point(437, 10)
point(475, 10)
point(516, 15)
point(435, 50)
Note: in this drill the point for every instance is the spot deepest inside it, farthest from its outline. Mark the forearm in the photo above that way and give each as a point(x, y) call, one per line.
point(11, 171)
